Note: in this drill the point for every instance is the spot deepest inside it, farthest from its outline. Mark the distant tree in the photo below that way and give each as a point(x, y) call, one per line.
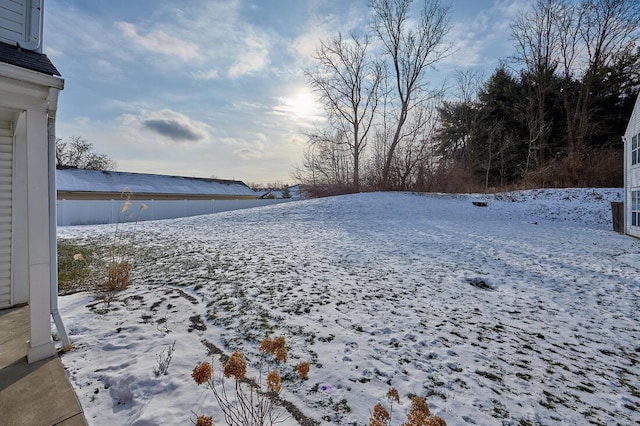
point(458, 118)
point(285, 192)
point(410, 47)
point(327, 161)
point(78, 153)
point(537, 41)
point(347, 80)
point(414, 157)
point(595, 34)
point(499, 150)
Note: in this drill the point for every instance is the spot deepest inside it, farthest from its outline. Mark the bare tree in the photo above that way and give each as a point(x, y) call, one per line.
point(537, 41)
point(326, 161)
point(415, 154)
point(468, 85)
point(78, 153)
point(458, 118)
point(410, 50)
point(348, 82)
point(594, 35)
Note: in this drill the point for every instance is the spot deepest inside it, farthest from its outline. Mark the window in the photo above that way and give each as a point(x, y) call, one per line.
point(635, 149)
point(635, 208)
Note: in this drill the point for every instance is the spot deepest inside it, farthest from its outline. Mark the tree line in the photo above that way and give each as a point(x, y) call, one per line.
point(552, 114)
point(78, 153)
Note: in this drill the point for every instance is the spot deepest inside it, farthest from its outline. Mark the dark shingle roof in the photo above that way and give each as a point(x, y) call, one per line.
point(28, 59)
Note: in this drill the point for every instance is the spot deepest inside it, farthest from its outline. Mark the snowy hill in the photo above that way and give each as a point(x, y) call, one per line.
point(526, 311)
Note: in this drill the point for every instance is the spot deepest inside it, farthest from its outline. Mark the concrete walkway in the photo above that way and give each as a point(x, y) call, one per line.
point(32, 394)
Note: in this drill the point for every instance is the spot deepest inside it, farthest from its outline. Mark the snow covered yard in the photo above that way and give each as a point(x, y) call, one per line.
point(520, 313)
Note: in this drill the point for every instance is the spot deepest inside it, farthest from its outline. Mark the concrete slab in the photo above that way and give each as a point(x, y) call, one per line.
point(32, 394)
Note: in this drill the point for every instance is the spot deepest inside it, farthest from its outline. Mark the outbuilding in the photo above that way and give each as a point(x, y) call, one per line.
point(88, 197)
point(632, 173)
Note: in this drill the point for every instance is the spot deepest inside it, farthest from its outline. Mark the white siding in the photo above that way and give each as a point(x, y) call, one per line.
point(632, 172)
point(6, 195)
point(93, 212)
point(20, 22)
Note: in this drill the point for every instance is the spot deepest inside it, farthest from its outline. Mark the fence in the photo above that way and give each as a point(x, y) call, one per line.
point(617, 214)
point(94, 212)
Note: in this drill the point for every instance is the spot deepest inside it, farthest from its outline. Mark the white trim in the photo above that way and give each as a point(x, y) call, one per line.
point(30, 76)
point(38, 236)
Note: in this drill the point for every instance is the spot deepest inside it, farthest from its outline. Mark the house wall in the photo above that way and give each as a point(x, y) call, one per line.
point(28, 98)
point(632, 171)
point(94, 212)
point(20, 224)
point(6, 214)
point(21, 22)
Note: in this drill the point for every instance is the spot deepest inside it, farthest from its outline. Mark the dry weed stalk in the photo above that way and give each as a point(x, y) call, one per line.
point(418, 415)
point(249, 403)
point(119, 251)
point(119, 266)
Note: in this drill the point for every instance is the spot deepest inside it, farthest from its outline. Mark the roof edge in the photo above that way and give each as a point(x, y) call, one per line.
point(227, 181)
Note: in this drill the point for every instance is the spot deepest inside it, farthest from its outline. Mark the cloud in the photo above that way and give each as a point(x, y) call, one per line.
point(325, 26)
point(107, 68)
point(254, 58)
point(160, 42)
point(486, 37)
point(70, 31)
point(172, 125)
point(247, 150)
point(208, 75)
point(52, 52)
point(247, 153)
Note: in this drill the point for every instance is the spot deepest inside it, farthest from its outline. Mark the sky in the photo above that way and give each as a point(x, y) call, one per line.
point(218, 88)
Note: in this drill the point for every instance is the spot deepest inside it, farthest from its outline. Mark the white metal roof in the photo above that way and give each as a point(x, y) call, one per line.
point(78, 180)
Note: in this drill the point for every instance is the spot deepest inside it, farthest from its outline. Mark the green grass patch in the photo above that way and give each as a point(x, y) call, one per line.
point(77, 275)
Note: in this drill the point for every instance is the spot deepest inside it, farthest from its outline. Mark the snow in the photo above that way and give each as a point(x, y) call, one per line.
point(526, 311)
point(79, 180)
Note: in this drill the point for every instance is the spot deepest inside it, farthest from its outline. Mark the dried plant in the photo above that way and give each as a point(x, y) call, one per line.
point(164, 360)
point(380, 416)
point(250, 402)
point(275, 347)
point(392, 395)
point(418, 415)
point(116, 278)
point(435, 421)
point(273, 382)
point(204, 421)
point(119, 263)
point(236, 366)
point(419, 412)
point(303, 370)
point(202, 373)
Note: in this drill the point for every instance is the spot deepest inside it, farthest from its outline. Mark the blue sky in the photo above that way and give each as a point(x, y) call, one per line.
point(217, 88)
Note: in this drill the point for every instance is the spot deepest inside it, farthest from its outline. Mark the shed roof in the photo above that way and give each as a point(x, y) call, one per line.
point(96, 181)
point(28, 59)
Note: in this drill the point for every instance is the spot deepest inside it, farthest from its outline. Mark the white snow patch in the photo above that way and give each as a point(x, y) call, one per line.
point(374, 290)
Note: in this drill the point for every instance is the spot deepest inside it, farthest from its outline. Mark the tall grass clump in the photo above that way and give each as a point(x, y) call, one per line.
point(120, 248)
point(113, 274)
